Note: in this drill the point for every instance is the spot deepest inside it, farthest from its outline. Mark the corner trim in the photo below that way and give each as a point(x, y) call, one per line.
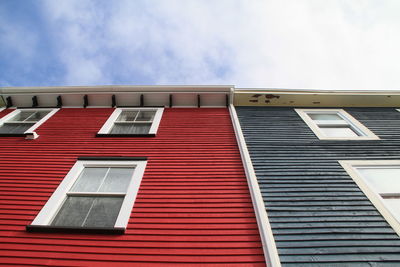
point(269, 247)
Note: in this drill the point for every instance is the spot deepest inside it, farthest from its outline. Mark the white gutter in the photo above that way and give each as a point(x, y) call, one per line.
point(117, 89)
point(267, 238)
point(314, 91)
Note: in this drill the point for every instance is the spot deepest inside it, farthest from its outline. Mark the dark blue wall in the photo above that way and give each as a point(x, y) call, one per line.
point(318, 214)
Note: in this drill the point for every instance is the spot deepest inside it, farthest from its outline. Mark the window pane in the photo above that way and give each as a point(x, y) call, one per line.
point(394, 206)
point(383, 180)
point(30, 115)
point(15, 128)
point(323, 116)
point(104, 212)
point(127, 116)
point(90, 180)
point(38, 115)
point(127, 128)
point(142, 128)
point(146, 116)
point(338, 132)
point(22, 116)
point(73, 212)
point(88, 212)
point(117, 180)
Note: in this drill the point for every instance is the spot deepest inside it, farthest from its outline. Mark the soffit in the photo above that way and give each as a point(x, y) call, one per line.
point(316, 98)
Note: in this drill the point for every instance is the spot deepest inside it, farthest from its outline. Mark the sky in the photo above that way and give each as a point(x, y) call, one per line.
point(308, 44)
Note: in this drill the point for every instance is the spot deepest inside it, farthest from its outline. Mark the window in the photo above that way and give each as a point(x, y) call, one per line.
point(132, 121)
point(23, 121)
point(335, 124)
point(380, 182)
point(95, 194)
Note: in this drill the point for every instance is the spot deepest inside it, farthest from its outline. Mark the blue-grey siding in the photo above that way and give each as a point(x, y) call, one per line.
point(318, 214)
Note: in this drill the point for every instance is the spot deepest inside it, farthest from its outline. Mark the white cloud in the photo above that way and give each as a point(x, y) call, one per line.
point(250, 43)
point(17, 40)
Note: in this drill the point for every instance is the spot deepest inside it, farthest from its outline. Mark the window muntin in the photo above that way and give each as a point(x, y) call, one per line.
point(94, 194)
point(380, 181)
point(334, 124)
point(22, 121)
point(133, 121)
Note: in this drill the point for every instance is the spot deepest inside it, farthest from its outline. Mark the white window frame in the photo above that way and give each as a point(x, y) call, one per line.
point(351, 168)
point(31, 130)
point(355, 125)
point(56, 200)
point(110, 122)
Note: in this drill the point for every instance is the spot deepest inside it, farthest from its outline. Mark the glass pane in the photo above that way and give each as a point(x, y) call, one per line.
point(38, 115)
point(127, 116)
point(117, 180)
point(125, 128)
point(324, 116)
point(88, 212)
point(15, 128)
point(382, 180)
point(394, 205)
point(90, 180)
point(104, 212)
point(73, 212)
point(142, 128)
point(146, 116)
point(22, 116)
point(128, 128)
point(338, 132)
point(30, 115)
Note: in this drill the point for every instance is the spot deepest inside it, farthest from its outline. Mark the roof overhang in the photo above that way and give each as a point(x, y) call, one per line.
point(316, 98)
point(119, 95)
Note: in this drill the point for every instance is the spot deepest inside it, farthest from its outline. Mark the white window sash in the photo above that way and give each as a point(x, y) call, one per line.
point(106, 128)
point(56, 200)
point(11, 115)
point(363, 132)
point(377, 199)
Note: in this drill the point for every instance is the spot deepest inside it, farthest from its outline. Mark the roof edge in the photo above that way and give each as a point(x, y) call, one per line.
point(317, 91)
point(115, 88)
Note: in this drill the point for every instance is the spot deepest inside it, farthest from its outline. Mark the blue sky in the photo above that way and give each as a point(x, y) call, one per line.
point(340, 44)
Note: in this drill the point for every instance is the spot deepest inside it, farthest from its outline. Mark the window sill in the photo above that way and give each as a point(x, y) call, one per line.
point(12, 135)
point(79, 230)
point(125, 135)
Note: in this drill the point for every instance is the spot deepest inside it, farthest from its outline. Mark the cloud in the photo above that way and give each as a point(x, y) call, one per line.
point(249, 43)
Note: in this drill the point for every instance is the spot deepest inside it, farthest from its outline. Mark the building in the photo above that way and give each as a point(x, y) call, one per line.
point(193, 205)
point(328, 167)
point(199, 175)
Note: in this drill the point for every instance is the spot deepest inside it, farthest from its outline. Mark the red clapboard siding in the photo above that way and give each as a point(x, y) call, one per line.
point(193, 205)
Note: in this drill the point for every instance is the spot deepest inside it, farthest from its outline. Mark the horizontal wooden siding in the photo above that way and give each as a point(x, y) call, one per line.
point(318, 214)
point(193, 206)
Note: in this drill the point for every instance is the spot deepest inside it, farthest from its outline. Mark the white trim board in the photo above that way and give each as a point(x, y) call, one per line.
point(347, 120)
point(30, 133)
point(51, 207)
point(267, 238)
point(106, 128)
point(350, 166)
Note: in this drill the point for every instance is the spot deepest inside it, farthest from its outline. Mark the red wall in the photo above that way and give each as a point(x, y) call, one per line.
point(193, 205)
